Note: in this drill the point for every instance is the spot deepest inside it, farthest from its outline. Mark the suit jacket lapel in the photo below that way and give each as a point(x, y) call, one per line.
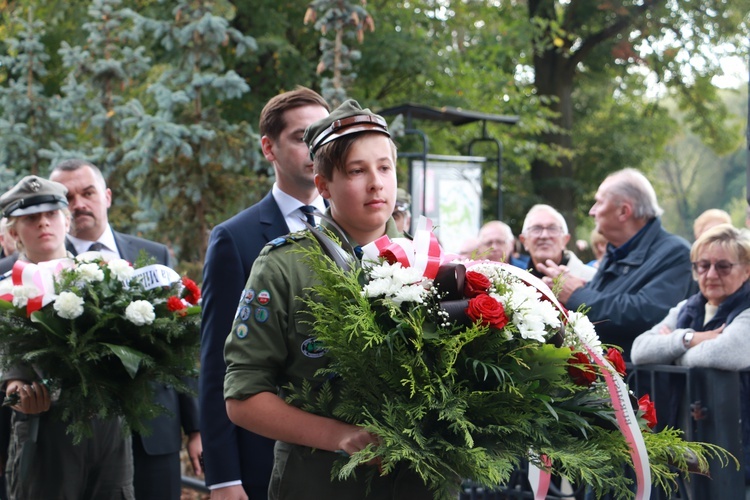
point(126, 250)
point(70, 247)
point(272, 219)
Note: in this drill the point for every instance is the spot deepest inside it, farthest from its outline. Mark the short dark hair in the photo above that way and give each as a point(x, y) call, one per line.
point(73, 164)
point(333, 156)
point(272, 121)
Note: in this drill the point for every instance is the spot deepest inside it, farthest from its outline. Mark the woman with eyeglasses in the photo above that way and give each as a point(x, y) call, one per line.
point(710, 328)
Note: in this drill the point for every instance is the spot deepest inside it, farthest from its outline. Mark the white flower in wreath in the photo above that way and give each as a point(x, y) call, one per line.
point(90, 256)
point(68, 305)
point(121, 269)
point(140, 312)
point(89, 273)
point(583, 330)
point(22, 294)
point(396, 283)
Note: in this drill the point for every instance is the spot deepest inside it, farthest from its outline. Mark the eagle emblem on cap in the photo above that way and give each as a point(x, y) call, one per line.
point(35, 185)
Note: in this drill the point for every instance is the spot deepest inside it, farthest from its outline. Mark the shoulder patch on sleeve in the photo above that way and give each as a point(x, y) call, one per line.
point(283, 240)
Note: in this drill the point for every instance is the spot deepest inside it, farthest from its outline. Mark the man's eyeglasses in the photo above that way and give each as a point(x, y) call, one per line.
point(553, 231)
point(722, 267)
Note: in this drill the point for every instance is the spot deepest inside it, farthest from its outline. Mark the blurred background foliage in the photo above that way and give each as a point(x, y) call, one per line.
point(165, 96)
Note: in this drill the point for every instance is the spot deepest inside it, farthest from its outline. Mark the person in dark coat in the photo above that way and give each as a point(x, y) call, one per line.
point(237, 462)
point(645, 272)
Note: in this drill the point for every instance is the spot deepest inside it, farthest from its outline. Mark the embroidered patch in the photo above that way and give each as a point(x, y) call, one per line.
point(264, 297)
point(312, 348)
point(241, 331)
point(261, 315)
point(249, 295)
point(244, 313)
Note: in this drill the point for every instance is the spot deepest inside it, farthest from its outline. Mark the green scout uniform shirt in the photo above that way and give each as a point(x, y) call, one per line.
point(270, 345)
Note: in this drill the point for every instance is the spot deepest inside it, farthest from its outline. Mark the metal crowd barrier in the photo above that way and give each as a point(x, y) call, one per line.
point(706, 404)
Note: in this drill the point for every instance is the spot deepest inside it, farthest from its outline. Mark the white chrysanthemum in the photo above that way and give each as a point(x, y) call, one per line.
point(89, 273)
point(396, 283)
point(140, 312)
point(89, 256)
point(535, 318)
point(68, 305)
point(582, 327)
point(121, 269)
point(412, 293)
point(22, 294)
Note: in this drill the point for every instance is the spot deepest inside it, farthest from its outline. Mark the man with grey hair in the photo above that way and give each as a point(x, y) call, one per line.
point(645, 271)
point(544, 236)
point(496, 242)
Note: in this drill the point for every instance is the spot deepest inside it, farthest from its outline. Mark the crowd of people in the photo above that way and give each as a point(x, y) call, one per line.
point(337, 169)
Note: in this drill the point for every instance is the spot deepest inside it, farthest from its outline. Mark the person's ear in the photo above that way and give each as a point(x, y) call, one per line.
point(266, 145)
point(566, 239)
point(522, 239)
point(321, 183)
point(625, 211)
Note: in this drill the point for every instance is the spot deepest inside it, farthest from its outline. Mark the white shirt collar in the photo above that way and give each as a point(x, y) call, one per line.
point(290, 205)
point(107, 239)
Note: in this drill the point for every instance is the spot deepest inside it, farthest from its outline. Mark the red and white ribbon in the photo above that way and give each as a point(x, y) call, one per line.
point(423, 252)
point(40, 276)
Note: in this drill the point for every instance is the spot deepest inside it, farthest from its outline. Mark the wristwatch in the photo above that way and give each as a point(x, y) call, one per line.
point(687, 338)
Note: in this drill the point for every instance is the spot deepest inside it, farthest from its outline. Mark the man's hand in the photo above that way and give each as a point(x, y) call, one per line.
point(235, 492)
point(567, 283)
point(34, 397)
point(195, 450)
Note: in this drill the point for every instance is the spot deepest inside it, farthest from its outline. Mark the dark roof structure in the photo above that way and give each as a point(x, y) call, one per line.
point(456, 116)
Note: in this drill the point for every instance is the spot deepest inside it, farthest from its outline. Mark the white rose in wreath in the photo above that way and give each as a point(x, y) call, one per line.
point(68, 305)
point(140, 312)
point(121, 269)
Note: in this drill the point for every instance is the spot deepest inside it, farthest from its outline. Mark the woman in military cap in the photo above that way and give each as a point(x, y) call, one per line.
point(270, 347)
point(43, 462)
point(37, 219)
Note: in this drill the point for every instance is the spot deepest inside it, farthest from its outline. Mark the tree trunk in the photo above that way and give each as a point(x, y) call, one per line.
point(554, 183)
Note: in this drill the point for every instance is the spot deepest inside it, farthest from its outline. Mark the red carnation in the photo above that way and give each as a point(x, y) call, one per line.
point(193, 294)
point(580, 369)
point(649, 411)
point(175, 304)
point(475, 284)
point(488, 311)
point(615, 358)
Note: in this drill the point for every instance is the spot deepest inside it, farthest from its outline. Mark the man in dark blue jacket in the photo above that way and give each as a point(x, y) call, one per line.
point(645, 271)
point(238, 463)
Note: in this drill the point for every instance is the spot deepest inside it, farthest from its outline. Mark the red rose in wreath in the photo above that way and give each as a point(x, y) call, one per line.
point(615, 358)
point(475, 284)
point(580, 369)
point(487, 311)
point(649, 410)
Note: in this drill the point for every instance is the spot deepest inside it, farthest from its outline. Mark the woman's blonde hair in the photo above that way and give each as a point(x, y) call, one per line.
point(724, 236)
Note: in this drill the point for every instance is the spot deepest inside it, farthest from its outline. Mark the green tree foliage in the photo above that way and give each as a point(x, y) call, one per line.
point(184, 154)
point(594, 36)
point(25, 125)
point(343, 19)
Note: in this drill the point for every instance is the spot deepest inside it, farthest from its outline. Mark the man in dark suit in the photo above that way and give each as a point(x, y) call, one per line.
point(156, 456)
point(238, 463)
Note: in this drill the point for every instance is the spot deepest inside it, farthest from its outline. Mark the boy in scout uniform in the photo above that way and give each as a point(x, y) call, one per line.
point(270, 345)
